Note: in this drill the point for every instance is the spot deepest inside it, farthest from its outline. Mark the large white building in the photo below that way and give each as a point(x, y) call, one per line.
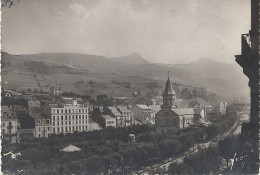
point(69, 118)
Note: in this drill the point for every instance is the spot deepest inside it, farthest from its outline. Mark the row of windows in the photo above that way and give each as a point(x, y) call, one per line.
point(76, 117)
point(60, 111)
point(127, 113)
point(69, 123)
point(69, 129)
point(110, 122)
point(43, 121)
point(43, 129)
point(44, 135)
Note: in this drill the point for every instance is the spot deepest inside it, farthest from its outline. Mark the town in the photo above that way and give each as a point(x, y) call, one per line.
point(129, 87)
point(66, 122)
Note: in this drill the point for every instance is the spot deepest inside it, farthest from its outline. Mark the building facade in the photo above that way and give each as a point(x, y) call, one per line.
point(249, 60)
point(143, 114)
point(42, 125)
point(109, 121)
point(69, 118)
point(171, 116)
point(9, 124)
point(124, 117)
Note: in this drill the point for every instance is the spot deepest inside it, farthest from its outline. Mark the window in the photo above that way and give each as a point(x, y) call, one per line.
point(65, 110)
point(53, 130)
point(39, 122)
point(57, 117)
point(80, 128)
point(62, 111)
point(58, 111)
point(58, 123)
point(3, 124)
point(58, 130)
point(43, 129)
point(61, 117)
point(48, 134)
point(66, 118)
point(53, 123)
point(69, 118)
point(39, 135)
point(48, 121)
point(53, 118)
point(79, 117)
point(82, 117)
point(69, 110)
point(69, 123)
point(61, 129)
point(48, 128)
point(66, 123)
point(79, 110)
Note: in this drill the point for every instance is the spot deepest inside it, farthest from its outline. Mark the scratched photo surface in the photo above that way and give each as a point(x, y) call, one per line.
point(129, 87)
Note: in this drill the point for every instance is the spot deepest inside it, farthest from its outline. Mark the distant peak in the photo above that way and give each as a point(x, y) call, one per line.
point(135, 54)
point(133, 58)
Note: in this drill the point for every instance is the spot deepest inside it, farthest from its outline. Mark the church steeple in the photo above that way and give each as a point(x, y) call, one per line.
point(168, 94)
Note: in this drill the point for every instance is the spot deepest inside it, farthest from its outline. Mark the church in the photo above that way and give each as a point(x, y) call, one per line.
point(171, 116)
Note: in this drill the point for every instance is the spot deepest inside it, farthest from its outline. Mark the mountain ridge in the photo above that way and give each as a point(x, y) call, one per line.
point(222, 78)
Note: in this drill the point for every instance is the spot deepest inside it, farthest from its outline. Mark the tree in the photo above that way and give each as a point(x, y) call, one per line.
point(227, 148)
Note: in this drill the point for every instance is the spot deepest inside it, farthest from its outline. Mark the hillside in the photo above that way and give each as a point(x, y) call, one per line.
point(28, 71)
point(133, 58)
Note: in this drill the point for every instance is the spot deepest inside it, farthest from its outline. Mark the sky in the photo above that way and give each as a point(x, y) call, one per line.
point(161, 31)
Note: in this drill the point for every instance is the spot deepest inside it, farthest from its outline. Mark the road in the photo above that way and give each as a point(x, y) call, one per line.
point(236, 129)
point(176, 160)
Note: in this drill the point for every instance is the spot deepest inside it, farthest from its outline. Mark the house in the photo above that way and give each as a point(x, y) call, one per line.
point(109, 121)
point(143, 113)
point(42, 125)
point(123, 116)
point(127, 118)
point(9, 124)
point(56, 90)
point(32, 103)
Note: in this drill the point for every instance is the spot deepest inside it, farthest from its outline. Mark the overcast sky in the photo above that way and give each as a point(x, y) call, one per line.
point(165, 31)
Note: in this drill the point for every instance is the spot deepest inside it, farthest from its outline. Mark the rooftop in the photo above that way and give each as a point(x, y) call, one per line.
point(183, 111)
point(107, 117)
point(123, 109)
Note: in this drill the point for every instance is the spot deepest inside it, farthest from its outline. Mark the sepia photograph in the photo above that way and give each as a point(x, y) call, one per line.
point(130, 87)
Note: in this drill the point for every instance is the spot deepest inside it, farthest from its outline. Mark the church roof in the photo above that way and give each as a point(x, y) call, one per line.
point(168, 88)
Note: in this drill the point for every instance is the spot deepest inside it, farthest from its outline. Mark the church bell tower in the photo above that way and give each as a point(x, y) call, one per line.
point(168, 95)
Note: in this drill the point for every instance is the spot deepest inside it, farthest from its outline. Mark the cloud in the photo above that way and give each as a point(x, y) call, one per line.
point(198, 28)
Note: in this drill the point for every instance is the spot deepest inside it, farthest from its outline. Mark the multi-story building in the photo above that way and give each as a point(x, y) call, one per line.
point(32, 103)
point(9, 124)
point(127, 118)
point(69, 118)
point(123, 116)
point(143, 114)
point(109, 121)
point(42, 125)
point(249, 60)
